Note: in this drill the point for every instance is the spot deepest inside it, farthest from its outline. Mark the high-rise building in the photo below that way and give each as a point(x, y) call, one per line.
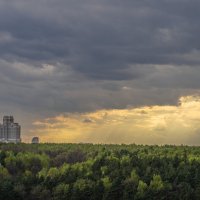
point(10, 131)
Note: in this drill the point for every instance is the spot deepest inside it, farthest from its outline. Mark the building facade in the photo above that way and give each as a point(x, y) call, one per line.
point(10, 132)
point(35, 140)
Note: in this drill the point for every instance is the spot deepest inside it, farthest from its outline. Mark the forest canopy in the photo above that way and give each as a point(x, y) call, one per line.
point(87, 171)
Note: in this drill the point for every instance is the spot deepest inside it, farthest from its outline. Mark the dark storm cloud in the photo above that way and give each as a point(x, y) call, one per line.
point(84, 55)
point(98, 37)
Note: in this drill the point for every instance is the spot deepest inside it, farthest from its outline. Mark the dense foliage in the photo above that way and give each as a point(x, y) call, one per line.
point(86, 171)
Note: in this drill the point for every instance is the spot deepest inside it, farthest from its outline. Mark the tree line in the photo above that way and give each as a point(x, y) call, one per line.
point(99, 172)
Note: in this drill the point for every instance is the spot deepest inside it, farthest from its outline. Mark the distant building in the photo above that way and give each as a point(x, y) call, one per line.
point(10, 132)
point(35, 140)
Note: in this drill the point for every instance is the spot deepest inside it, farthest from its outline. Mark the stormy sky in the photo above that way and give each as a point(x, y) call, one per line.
point(72, 57)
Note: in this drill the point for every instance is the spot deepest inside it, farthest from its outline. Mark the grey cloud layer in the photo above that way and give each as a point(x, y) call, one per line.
point(65, 56)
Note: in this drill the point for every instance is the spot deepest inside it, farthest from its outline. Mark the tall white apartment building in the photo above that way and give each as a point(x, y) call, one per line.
point(10, 132)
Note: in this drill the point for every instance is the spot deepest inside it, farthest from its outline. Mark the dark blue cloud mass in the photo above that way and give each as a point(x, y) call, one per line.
point(77, 56)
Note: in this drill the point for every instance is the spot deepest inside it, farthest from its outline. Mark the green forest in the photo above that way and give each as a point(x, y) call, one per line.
point(107, 172)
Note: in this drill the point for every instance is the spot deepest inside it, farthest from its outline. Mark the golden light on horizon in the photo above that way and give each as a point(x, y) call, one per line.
point(148, 125)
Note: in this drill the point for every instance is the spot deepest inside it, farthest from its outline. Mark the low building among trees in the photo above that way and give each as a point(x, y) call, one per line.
point(35, 140)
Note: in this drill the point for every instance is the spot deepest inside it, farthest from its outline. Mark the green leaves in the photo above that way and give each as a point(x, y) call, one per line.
point(85, 171)
point(157, 183)
point(142, 188)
